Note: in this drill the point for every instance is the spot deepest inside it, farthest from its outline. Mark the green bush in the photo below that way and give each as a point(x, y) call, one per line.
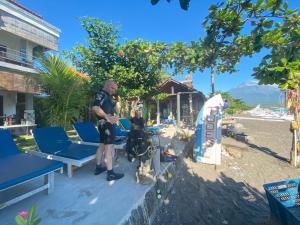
point(235, 105)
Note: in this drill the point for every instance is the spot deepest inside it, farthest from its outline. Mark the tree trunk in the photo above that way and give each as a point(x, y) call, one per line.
point(212, 79)
point(294, 150)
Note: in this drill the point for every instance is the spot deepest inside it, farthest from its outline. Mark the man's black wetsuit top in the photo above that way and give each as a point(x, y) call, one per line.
point(107, 132)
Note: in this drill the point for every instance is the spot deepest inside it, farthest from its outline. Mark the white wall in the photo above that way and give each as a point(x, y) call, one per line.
point(29, 102)
point(9, 102)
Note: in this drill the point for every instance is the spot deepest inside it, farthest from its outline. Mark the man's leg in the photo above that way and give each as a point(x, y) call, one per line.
point(111, 175)
point(99, 154)
point(108, 156)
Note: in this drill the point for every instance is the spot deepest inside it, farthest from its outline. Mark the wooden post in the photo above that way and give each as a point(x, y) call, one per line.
point(295, 103)
point(158, 113)
point(171, 107)
point(294, 149)
point(178, 109)
point(191, 108)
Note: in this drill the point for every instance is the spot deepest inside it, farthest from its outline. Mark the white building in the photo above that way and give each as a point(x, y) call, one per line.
point(23, 35)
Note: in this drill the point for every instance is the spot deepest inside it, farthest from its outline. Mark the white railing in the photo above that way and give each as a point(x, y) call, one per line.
point(16, 57)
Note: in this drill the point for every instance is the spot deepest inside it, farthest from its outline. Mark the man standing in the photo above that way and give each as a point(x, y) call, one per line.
point(104, 107)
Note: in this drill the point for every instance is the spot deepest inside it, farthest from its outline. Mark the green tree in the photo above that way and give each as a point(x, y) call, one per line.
point(282, 64)
point(136, 65)
point(184, 4)
point(143, 63)
point(271, 25)
point(99, 57)
point(68, 92)
point(183, 57)
point(237, 28)
point(235, 105)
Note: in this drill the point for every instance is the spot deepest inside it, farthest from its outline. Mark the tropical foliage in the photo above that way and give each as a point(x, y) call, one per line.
point(28, 217)
point(237, 28)
point(100, 56)
point(136, 65)
point(67, 91)
point(141, 67)
point(184, 4)
point(235, 105)
point(272, 25)
point(184, 57)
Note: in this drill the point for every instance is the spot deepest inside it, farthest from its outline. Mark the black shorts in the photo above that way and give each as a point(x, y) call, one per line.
point(107, 133)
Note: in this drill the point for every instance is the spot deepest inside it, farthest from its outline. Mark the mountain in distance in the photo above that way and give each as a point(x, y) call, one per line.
point(254, 94)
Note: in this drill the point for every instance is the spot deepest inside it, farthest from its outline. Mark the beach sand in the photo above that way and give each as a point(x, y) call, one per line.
point(232, 193)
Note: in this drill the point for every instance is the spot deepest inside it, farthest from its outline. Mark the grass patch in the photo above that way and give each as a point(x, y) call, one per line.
point(25, 142)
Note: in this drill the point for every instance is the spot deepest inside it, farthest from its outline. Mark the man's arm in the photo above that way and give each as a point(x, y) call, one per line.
point(99, 99)
point(101, 113)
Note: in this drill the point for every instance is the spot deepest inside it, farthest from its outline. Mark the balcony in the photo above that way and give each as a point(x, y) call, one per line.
point(17, 60)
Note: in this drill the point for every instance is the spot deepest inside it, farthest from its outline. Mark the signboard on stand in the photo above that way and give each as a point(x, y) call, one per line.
point(208, 133)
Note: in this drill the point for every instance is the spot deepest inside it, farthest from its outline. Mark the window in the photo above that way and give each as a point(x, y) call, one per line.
point(3, 50)
point(22, 54)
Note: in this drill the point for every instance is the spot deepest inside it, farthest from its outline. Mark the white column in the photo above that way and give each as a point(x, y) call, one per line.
point(191, 108)
point(178, 109)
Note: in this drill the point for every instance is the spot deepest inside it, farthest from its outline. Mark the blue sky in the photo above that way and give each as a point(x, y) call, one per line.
point(139, 19)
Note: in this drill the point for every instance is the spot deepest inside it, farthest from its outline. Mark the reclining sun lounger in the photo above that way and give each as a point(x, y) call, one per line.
point(120, 132)
point(89, 134)
point(17, 168)
point(54, 143)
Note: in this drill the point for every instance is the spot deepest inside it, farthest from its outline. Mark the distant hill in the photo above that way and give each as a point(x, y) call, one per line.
point(253, 94)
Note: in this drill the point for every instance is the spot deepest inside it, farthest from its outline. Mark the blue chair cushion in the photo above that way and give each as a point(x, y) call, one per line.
point(78, 151)
point(126, 124)
point(153, 129)
point(120, 132)
point(51, 139)
point(17, 168)
point(87, 132)
point(7, 145)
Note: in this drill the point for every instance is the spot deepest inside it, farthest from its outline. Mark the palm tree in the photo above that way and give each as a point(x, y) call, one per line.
point(68, 92)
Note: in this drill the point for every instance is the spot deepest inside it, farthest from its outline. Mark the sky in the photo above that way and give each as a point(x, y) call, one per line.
point(165, 22)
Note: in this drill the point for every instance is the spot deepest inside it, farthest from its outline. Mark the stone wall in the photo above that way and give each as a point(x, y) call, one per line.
point(148, 209)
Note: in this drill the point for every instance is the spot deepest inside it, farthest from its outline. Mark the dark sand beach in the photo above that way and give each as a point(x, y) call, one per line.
point(232, 193)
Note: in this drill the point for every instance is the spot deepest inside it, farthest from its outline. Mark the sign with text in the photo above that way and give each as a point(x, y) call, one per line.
point(208, 133)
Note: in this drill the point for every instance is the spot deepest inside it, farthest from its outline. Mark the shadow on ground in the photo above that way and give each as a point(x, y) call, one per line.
point(194, 200)
point(268, 152)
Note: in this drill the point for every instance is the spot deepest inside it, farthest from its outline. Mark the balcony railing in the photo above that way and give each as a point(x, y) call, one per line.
point(19, 58)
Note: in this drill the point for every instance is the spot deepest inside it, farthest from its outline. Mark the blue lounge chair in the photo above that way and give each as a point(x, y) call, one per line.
point(54, 143)
point(88, 134)
point(17, 168)
point(120, 132)
point(126, 124)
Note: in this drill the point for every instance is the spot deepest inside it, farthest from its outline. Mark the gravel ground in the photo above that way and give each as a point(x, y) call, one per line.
point(232, 193)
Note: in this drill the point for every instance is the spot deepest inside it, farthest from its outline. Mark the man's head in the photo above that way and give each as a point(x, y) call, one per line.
point(138, 113)
point(110, 86)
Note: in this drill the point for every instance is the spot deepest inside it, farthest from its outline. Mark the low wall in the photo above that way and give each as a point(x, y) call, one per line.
point(147, 209)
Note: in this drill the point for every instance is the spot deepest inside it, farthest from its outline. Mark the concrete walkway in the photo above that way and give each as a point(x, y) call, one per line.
point(85, 198)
